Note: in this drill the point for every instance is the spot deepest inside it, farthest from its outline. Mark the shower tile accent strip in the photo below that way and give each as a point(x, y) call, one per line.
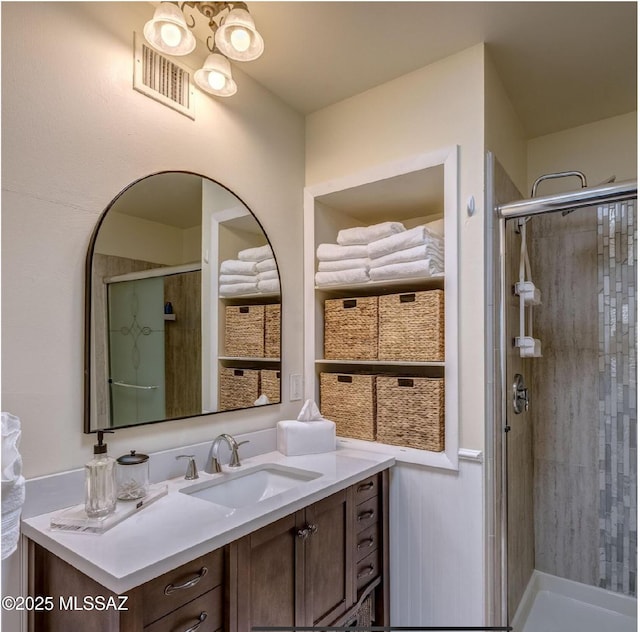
point(617, 293)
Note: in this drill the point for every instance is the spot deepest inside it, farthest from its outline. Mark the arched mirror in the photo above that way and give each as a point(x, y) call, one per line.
point(182, 305)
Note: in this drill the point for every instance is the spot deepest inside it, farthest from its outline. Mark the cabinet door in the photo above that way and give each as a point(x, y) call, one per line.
point(269, 591)
point(328, 559)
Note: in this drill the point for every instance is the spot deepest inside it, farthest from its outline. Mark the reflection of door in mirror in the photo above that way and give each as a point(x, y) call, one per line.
point(136, 351)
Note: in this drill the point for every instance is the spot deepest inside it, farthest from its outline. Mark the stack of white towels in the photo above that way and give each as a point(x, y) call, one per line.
point(253, 272)
point(382, 252)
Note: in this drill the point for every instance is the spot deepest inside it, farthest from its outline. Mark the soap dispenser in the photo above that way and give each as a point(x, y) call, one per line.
point(100, 481)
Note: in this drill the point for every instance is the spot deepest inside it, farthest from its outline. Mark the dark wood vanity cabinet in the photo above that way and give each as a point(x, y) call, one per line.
point(175, 601)
point(296, 571)
point(318, 566)
point(326, 564)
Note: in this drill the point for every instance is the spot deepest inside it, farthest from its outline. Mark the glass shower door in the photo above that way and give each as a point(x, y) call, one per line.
point(136, 350)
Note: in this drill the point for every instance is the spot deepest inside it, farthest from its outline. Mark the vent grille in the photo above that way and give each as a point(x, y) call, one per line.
point(162, 79)
point(163, 76)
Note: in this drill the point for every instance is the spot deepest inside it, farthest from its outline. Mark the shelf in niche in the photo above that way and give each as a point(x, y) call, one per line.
point(401, 454)
point(268, 296)
point(391, 363)
point(387, 286)
point(246, 359)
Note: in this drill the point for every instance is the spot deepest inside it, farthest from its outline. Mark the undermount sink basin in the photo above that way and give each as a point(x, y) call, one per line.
point(248, 487)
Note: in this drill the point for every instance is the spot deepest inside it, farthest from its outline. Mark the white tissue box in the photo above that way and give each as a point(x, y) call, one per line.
point(296, 438)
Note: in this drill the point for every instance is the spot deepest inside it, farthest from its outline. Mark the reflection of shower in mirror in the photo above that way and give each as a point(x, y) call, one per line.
point(156, 322)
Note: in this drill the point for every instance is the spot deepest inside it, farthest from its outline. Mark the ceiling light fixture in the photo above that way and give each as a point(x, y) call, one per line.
point(234, 36)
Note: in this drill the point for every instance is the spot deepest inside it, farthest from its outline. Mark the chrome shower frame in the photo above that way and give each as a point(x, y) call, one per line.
point(498, 391)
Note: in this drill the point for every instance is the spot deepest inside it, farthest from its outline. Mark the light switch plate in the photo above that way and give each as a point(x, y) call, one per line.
point(295, 387)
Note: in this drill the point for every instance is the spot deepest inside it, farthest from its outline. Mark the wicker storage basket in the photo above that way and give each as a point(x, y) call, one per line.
point(244, 331)
point(238, 388)
point(412, 326)
point(272, 331)
point(349, 401)
point(351, 328)
point(270, 385)
point(411, 412)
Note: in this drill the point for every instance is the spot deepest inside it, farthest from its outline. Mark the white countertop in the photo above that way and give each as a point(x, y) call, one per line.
point(179, 528)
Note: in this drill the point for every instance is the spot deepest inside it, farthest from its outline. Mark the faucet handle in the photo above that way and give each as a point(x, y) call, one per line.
point(192, 470)
point(235, 459)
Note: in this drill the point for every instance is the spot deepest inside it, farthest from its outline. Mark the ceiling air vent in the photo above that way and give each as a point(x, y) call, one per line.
point(162, 79)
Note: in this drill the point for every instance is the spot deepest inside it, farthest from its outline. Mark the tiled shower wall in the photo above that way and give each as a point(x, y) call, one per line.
point(564, 404)
point(617, 270)
point(583, 398)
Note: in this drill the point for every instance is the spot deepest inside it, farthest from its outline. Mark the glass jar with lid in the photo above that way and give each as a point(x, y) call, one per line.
point(132, 476)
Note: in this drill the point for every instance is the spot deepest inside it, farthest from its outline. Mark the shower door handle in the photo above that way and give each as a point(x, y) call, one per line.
point(520, 395)
point(125, 385)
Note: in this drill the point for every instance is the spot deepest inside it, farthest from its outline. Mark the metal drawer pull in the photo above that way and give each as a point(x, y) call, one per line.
point(171, 588)
point(365, 486)
point(367, 572)
point(365, 515)
point(366, 544)
point(201, 618)
point(313, 528)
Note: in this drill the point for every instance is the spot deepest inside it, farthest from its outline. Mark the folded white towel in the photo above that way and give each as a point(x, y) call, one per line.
point(268, 275)
point(400, 241)
point(433, 250)
point(266, 265)
point(408, 270)
point(269, 286)
point(339, 277)
point(236, 289)
point(436, 227)
point(235, 266)
point(256, 254)
point(228, 279)
point(13, 484)
point(367, 234)
point(334, 252)
point(344, 264)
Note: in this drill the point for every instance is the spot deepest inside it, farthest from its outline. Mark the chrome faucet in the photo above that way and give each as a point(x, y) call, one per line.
point(233, 446)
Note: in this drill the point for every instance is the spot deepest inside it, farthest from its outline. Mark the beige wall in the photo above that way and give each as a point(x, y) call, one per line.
point(599, 150)
point(503, 131)
point(136, 238)
point(75, 133)
point(434, 107)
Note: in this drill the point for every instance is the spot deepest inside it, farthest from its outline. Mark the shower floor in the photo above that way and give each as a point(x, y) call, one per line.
point(558, 605)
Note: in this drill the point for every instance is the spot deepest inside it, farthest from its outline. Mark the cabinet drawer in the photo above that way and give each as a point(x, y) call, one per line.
point(181, 585)
point(366, 542)
point(366, 514)
point(366, 489)
point(206, 610)
point(367, 570)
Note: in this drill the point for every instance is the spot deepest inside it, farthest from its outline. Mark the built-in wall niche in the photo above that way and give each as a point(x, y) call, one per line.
point(414, 191)
point(155, 312)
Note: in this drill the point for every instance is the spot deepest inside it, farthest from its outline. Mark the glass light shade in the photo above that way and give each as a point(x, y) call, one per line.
point(234, 31)
point(167, 31)
point(216, 72)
